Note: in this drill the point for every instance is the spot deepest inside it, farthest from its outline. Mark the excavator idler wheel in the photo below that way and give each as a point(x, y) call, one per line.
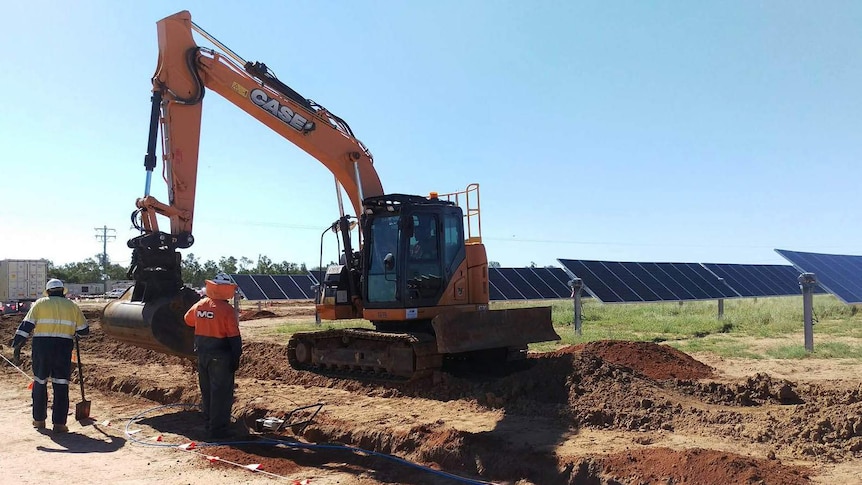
point(303, 352)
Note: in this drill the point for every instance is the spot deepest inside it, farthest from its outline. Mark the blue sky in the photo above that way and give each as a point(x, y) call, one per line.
point(635, 131)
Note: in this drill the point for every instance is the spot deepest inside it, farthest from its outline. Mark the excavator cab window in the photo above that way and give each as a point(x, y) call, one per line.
point(412, 247)
point(382, 264)
point(423, 237)
point(423, 268)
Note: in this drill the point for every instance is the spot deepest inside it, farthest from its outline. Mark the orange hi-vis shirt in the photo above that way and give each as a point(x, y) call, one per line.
point(213, 318)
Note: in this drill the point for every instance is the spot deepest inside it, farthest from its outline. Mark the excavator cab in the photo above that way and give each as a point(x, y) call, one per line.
point(412, 250)
point(413, 246)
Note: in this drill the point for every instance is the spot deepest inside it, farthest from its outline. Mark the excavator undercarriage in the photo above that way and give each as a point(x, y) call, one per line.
point(365, 353)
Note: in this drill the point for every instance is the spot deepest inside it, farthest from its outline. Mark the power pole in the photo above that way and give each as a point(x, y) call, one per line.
point(104, 236)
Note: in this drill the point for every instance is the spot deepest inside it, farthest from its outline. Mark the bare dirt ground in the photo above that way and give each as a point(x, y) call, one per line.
point(607, 412)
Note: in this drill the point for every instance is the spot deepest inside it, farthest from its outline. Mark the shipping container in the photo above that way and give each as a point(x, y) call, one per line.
point(22, 279)
point(74, 290)
point(118, 284)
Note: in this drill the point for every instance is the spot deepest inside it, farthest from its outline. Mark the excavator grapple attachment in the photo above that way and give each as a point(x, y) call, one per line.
point(458, 332)
point(156, 325)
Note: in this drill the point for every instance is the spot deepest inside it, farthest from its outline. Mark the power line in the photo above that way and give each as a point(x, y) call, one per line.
point(104, 236)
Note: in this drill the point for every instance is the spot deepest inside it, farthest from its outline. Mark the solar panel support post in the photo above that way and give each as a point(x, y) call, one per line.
point(577, 286)
point(316, 289)
point(236, 304)
point(721, 308)
point(808, 282)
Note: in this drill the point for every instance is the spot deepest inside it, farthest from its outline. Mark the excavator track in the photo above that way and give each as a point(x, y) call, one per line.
point(365, 354)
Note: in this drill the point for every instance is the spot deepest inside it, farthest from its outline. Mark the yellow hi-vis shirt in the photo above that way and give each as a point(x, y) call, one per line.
point(55, 316)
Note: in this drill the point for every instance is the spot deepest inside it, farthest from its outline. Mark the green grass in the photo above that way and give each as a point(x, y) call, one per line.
point(751, 328)
point(288, 329)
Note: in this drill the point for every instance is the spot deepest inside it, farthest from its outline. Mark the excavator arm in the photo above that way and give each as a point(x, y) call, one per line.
point(184, 72)
point(147, 315)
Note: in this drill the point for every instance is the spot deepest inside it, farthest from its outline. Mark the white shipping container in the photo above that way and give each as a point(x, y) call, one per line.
point(118, 284)
point(84, 289)
point(22, 279)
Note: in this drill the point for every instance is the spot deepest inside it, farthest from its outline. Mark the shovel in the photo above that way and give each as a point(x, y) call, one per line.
point(82, 409)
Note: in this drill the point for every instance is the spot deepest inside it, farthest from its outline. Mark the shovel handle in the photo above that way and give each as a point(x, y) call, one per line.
point(80, 369)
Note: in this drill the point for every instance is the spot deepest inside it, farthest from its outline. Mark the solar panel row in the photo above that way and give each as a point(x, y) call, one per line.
point(618, 282)
point(275, 287)
point(839, 274)
point(528, 283)
point(753, 280)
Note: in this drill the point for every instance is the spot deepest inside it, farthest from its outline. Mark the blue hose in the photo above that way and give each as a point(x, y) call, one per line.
point(295, 444)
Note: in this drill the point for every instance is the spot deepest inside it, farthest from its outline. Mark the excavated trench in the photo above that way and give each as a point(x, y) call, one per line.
point(643, 390)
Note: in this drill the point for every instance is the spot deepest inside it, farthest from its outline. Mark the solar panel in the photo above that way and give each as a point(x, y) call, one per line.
point(593, 283)
point(790, 280)
point(753, 280)
point(710, 286)
point(838, 274)
point(562, 278)
point(653, 281)
point(493, 293)
point(521, 284)
point(636, 279)
point(618, 282)
point(528, 284)
point(734, 277)
point(305, 282)
point(509, 292)
point(248, 287)
point(269, 287)
point(537, 283)
point(785, 278)
point(287, 284)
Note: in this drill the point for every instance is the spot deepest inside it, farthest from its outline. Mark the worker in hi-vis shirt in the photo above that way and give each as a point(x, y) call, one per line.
point(218, 346)
point(54, 323)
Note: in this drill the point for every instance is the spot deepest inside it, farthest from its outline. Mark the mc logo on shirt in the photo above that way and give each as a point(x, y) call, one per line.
point(205, 314)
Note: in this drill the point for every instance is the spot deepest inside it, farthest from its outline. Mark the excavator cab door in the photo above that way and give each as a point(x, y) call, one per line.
point(424, 277)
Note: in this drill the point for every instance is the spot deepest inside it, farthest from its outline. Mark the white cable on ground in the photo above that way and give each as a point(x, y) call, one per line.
point(17, 368)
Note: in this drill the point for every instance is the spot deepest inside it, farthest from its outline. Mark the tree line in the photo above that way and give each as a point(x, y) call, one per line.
point(194, 270)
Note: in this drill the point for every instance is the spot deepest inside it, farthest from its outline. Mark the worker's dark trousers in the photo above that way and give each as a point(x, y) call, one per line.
point(216, 380)
point(52, 360)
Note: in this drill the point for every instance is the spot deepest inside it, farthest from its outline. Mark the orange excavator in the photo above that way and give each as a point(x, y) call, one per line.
point(419, 271)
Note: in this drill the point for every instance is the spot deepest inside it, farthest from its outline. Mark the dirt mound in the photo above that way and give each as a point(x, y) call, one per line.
point(255, 314)
point(655, 361)
point(663, 465)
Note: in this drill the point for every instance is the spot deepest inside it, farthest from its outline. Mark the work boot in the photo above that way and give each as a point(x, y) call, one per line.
point(60, 428)
point(39, 424)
